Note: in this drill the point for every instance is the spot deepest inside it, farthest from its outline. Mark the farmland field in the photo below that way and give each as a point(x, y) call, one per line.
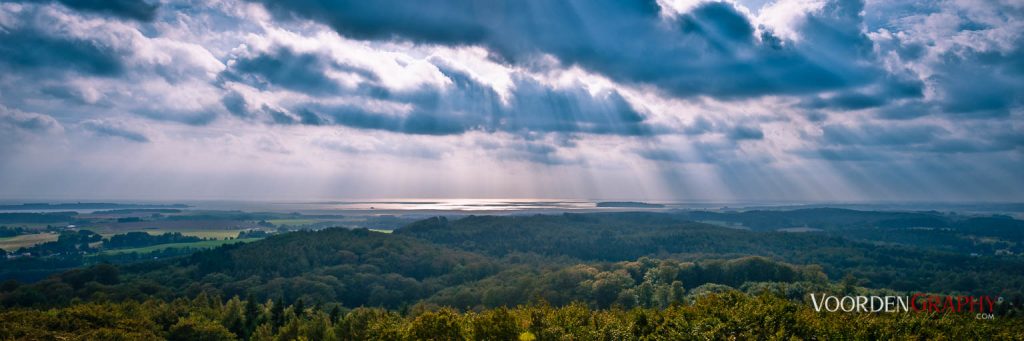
point(11, 244)
point(17, 242)
point(206, 234)
point(206, 244)
point(171, 226)
point(293, 222)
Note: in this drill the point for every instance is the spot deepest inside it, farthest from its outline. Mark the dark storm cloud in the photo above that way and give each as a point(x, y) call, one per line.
point(538, 107)
point(234, 102)
point(141, 10)
point(847, 101)
point(711, 50)
point(720, 22)
point(470, 105)
point(282, 67)
point(34, 51)
point(744, 132)
point(466, 104)
point(417, 122)
point(104, 128)
point(981, 84)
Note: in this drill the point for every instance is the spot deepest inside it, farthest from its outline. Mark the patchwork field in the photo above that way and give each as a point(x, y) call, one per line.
point(216, 234)
point(17, 242)
point(170, 226)
point(11, 244)
point(206, 244)
point(293, 222)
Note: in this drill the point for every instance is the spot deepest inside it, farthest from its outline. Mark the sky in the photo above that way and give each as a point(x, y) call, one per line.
point(667, 100)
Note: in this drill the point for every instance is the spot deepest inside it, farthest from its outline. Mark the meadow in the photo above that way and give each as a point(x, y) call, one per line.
point(206, 244)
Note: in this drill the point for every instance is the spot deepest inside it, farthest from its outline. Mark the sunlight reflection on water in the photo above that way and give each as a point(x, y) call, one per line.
point(452, 205)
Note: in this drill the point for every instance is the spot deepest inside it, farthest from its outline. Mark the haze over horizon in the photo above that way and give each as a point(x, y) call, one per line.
point(668, 100)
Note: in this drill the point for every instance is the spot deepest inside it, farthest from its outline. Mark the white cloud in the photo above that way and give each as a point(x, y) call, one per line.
point(172, 89)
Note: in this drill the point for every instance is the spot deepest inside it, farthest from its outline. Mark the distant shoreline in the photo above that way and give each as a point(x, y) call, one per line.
point(84, 206)
point(630, 204)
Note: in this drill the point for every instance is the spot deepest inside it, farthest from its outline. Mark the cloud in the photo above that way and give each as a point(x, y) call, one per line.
point(666, 155)
point(711, 50)
point(141, 10)
point(462, 104)
point(745, 132)
point(285, 68)
point(235, 103)
point(967, 53)
point(905, 111)
point(880, 135)
point(13, 119)
point(58, 62)
point(20, 129)
point(533, 150)
point(717, 150)
point(112, 129)
point(918, 139)
point(396, 146)
point(419, 122)
point(843, 154)
point(28, 48)
point(700, 125)
point(981, 83)
point(859, 97)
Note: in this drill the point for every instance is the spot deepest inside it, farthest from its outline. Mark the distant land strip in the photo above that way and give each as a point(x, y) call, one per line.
point(84, 206)
point(630, 204)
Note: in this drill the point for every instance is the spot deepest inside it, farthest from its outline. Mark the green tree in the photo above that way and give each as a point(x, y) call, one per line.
point(194, 328)
point(496, 324)
point(441, 325)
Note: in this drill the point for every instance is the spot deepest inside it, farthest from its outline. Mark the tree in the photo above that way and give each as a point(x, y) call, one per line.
point(195, 328)
point(495, 324)
point(233, 317)
point(440, 325)
point(335, 314)
point(252, 313)
point(277, 313)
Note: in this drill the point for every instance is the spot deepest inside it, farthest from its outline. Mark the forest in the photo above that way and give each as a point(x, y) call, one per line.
point(567, 276)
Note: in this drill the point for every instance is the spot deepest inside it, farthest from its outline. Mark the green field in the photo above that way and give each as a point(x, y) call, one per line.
point(217, 234)
point(293, 222)
point(13, 243)
point(725, 224)
point(206, 244)
point(206, 234)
